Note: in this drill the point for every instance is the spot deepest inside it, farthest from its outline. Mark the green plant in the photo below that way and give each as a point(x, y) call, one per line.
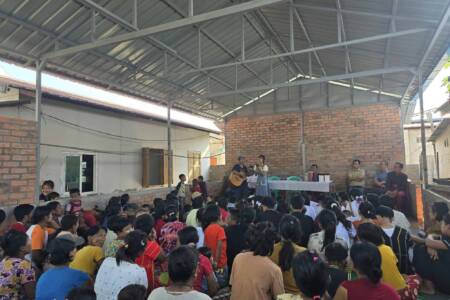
point(446, 81)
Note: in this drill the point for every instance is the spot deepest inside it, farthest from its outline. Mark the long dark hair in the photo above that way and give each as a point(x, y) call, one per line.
point(328, 222)
point(135, 243)
point(311, 274)
point(367, 260)
point(367, 210)
point(335, 207)
point(260, 238)
point(290, 230)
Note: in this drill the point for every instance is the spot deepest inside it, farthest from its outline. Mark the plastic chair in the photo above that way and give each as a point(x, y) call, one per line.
point(275, 193)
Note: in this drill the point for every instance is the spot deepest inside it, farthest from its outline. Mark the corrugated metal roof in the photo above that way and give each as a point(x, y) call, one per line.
point(150, 67)
point(439, 130)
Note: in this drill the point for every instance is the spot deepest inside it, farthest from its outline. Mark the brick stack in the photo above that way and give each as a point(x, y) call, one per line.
point(17, 161)
point(333, 139)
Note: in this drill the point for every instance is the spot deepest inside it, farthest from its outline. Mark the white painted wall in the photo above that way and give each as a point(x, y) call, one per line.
point(114, 172)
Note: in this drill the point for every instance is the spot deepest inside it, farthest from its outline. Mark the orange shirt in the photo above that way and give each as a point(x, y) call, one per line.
point(38, 236)
point(213, 234)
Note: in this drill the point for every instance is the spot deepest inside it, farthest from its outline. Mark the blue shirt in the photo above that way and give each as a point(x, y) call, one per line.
point(57, 282)
point(381, 176)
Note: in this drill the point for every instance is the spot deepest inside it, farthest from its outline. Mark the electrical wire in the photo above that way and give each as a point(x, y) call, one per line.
point(124, 153)
point(111, 135)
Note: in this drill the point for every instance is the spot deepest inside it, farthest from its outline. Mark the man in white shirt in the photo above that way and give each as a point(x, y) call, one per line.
point(400, 219)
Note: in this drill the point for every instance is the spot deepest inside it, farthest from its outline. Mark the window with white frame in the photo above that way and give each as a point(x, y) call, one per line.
point(79, 172)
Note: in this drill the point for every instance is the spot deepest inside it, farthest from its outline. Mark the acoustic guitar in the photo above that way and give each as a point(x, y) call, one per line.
point(236, 178)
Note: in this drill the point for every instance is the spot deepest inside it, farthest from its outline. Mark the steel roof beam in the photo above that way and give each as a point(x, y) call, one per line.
point(224, 12)
point(104, 83)
point(283, 47)
point(365, 14)
point(155, 42)
point(367, 73)
point(392, 28)
point(308, 50)
point(176, 9)
point(308, 38)
point(348, 63)
point(434, 38)
point(133, 69)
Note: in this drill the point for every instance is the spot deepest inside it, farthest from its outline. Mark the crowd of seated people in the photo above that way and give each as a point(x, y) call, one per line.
point(393, 184)
point(310, 247)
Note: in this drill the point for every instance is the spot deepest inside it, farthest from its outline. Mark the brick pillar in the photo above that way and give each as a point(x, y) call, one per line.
point(17, 161)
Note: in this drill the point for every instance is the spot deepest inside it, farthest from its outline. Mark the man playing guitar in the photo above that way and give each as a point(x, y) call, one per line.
point(237, 181)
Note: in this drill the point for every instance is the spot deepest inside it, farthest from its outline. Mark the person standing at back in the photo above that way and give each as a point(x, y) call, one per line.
point(356, 177)
point(261, 170)
point(240, 169)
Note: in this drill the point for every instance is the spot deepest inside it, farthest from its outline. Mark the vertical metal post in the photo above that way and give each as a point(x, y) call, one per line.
point(190, 8)
point(135, 13)
point(309, 65)
point(328, 94)
point(436, 160)
point(236, 77)
point(169, 146)
point(93, 25)
point(422, 133)
point(271, 62)
point(243, 38)
point(275, 108)
point(199, 40)
point(291, 28)
point(38, 100)
point(302, 133)
point(339, 26)
point(165, 63)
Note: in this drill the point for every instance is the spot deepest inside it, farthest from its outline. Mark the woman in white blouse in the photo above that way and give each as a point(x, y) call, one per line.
point(262, 183)
point(118, 272)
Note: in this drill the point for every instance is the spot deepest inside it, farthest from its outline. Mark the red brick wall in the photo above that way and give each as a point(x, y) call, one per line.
point(17, 161)
point(333, 139)
point(275, 136)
